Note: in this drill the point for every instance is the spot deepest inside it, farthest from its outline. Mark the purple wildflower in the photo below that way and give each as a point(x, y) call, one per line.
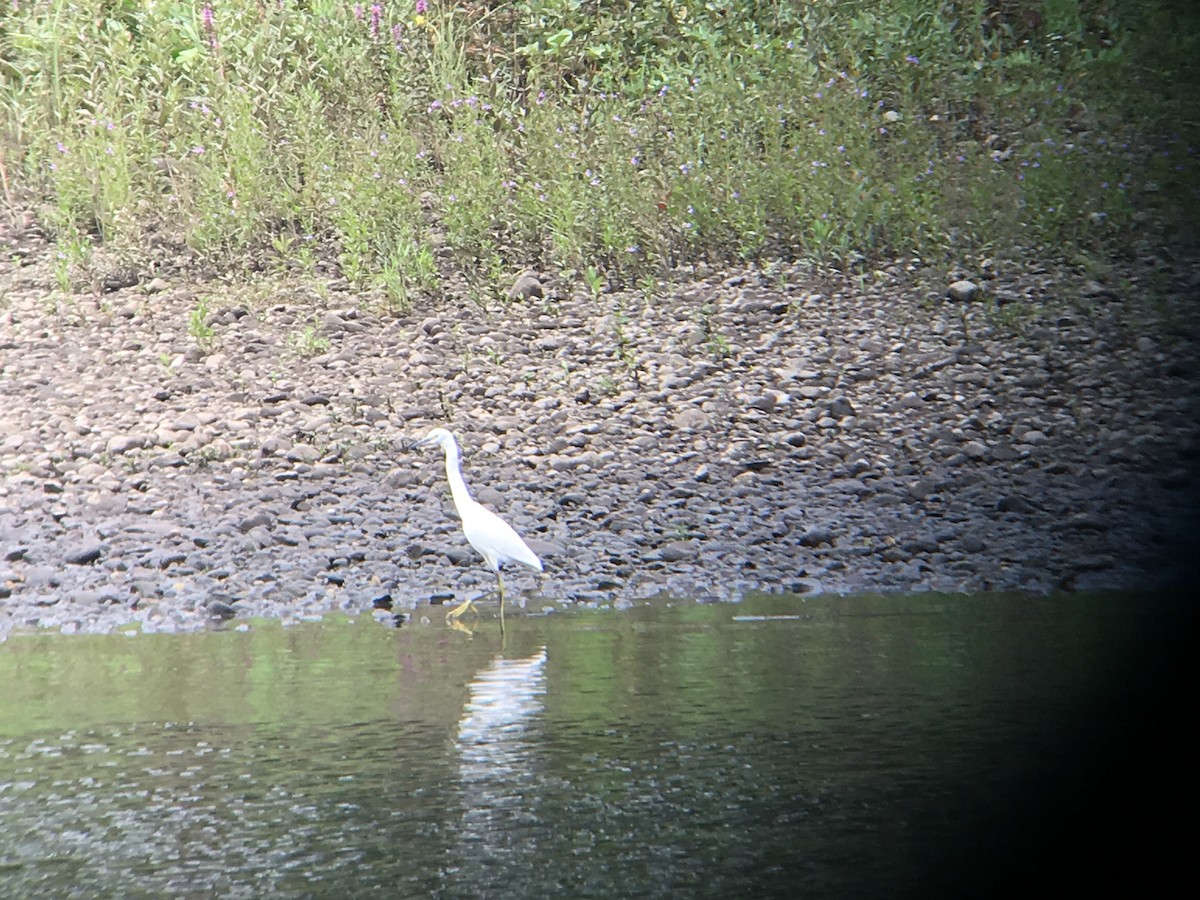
point(376, 15)
point(210, 25)
point(912, 59)
point(422, 7)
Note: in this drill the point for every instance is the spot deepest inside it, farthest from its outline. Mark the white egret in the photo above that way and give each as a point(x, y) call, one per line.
point(494, 538)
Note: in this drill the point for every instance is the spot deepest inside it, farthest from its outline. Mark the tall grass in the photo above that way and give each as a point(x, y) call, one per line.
point(622, 136)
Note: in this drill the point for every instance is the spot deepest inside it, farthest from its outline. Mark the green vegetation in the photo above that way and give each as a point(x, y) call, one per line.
point(309, 341)
point(199, 326)
point(621, 137)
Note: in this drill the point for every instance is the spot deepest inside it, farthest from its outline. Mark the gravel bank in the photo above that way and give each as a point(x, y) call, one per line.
point(742, 430)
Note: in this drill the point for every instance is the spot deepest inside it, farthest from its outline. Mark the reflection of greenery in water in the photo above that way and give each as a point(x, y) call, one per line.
point(267, 674)
point(673, 750)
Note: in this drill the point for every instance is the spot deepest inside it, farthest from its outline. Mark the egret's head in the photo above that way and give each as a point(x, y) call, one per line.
point(439, 437)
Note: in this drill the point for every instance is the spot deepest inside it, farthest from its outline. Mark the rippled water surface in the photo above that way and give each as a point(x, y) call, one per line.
point(777, 747)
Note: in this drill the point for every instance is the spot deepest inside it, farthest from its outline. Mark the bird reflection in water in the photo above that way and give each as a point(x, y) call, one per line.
point(495, 747)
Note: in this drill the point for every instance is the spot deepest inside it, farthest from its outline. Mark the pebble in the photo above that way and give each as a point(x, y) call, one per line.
point(816, 537)
point(527, 286)
point(974, 450)
point(676, 551)
point(257, 520)
point(84, 554)
point(962, 291)
point(123, 443)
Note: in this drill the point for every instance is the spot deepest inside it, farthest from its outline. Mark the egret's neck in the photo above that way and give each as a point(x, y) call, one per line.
point(458, 487)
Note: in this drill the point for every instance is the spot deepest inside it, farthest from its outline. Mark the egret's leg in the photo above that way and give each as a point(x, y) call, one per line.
point(500, 583)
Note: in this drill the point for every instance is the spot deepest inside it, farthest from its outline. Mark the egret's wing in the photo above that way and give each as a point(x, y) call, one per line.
point(493, 537)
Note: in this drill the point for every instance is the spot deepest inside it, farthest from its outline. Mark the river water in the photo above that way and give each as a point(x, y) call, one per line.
point(781, 746)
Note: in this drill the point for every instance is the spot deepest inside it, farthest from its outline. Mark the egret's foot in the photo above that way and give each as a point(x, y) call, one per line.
point(459, 626)
point(460, 609)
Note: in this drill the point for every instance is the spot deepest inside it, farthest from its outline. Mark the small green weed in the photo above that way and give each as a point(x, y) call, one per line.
point(594, 281)
point(199, 326)
point(1011, 316)
point(607, 386)
point(309, 341)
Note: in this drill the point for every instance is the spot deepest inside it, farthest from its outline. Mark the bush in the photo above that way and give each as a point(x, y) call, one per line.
point(627, 136)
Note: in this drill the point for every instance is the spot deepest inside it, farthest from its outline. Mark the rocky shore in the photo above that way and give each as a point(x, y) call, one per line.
point(760, 429)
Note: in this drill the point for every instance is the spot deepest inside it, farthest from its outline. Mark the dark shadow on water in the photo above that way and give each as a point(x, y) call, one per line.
point(1097, 810)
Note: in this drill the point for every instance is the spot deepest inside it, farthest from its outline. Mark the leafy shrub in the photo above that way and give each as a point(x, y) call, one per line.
point(570, 134)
